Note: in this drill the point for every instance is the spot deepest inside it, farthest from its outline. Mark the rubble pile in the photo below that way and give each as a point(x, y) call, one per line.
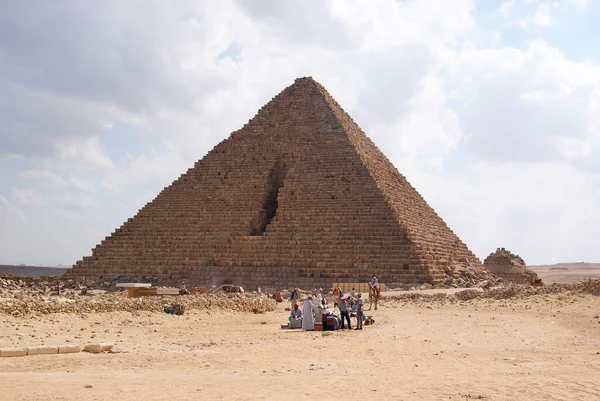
point(19, 298)
point(465, 276)
point(590, 286)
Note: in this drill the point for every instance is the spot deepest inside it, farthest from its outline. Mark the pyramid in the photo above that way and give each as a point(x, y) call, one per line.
point(299, 196)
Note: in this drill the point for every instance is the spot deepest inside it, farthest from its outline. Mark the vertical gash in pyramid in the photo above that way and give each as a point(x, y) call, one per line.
point(299, 196)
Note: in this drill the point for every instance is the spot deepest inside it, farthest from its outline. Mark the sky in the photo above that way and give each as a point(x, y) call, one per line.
point(491, 109)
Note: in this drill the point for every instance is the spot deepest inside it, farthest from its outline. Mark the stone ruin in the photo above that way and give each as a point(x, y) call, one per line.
point(299, 196)
point(511, 268)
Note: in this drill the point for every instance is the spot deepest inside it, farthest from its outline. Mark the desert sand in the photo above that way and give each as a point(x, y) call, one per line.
point(540, 347)
point(567, 272)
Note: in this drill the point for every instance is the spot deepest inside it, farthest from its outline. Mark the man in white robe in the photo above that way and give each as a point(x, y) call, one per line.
point(308, 320)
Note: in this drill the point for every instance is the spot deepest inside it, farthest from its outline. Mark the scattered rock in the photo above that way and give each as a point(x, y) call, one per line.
point(98, 347)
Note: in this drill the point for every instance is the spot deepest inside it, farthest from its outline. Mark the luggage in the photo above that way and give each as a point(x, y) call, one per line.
point(332, 322)
point(175, 309)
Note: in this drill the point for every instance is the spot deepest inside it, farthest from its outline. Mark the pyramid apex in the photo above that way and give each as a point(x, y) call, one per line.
point(309, 78)
point(306, 80)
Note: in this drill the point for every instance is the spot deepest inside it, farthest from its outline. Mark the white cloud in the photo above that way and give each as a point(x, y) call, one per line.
point(527, 105)
point(46, 176)
point(541, 18)
point(505, 8)
point(580, 3)
point(27, 196)
point(545, 212)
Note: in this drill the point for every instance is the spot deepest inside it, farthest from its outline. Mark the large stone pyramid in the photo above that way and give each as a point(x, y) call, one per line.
point(299, 196)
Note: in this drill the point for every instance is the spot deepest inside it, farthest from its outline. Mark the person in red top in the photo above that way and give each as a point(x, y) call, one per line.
point(336, 296)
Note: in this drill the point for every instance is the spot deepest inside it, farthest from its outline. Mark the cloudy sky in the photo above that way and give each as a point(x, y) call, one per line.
point(491, 109)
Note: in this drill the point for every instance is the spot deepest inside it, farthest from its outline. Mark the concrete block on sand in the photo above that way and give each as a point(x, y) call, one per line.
point(98, 347)
point(42, 350)
point(8, 352)
point(68, 349)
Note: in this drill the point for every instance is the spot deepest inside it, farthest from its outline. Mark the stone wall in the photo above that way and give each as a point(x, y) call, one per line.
point(300, 188)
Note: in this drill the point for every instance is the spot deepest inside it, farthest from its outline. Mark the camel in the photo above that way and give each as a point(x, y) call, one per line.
point(373, 297)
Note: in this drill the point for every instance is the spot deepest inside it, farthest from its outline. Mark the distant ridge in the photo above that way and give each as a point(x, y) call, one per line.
point(567, 272)
point(32, 271)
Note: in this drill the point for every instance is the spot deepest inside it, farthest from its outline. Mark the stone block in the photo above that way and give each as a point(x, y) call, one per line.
point(10, 352)
point(98, 347)
point(42, 350)
point(68, 349)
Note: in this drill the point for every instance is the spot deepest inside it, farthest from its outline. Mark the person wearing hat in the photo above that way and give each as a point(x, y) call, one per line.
point(375, 285)
point(308, 320)
point(183, 289)
point(296, 313)
point(359, 312)
point(343, 306)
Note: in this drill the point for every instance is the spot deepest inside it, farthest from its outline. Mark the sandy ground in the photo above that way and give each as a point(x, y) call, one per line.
point(567, 272)
point(545, 347)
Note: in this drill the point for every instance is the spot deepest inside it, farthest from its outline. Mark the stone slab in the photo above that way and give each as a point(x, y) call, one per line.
point(10, 352)
point(42, 350)
point(68, 349)
point(98, 347)
point(134, 285)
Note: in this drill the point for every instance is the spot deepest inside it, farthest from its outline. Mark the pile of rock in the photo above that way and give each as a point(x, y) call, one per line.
point(22, 301)
point(590, 286)
point(463, 276)
point(510, 267)
point(11, 285)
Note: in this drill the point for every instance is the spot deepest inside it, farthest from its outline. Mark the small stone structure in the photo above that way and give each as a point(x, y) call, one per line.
point(510, 267)
point(299, 196)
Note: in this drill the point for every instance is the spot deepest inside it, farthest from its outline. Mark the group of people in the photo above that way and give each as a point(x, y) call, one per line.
point(345, 304)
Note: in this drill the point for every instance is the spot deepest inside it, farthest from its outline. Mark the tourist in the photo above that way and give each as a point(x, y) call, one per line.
point(336, 296)
point(359, 312)
point(375, 285)
point(308, 320)
point(352, 293)
point(183, 289)
point(343, 305)
point(294, 298)
point(296, 313)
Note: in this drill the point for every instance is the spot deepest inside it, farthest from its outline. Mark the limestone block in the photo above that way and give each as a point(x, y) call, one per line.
point(68, 349)
point(8, 352)
point(42, 350)
point(98, 347)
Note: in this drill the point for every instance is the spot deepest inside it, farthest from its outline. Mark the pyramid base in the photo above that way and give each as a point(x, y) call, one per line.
point(253, 278)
